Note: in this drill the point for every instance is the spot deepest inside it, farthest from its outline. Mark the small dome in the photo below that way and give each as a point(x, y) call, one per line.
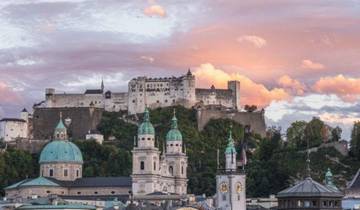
point(174, 134)
point(146, 128)
point(61, 151)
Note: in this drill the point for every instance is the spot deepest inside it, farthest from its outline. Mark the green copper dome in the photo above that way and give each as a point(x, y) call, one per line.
point(174, 134)
point(146, 128)
point(61, 151)
point(230, 149)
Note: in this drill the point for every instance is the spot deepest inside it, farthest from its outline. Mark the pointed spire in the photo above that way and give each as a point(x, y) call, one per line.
point(146, 115)
point(308, 170)
point(174, 124)
point(230, 149)
point(102, 84)
point(60, 130)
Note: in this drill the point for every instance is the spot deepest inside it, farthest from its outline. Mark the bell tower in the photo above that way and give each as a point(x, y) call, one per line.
point(145, 169)
point(230, 182)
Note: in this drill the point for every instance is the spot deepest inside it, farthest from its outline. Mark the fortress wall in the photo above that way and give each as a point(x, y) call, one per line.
point(75, 100)
point(83, 120)
point(255, 119)
point(117, 102)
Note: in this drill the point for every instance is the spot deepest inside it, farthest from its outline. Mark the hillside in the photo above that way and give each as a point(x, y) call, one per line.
point(273, 165)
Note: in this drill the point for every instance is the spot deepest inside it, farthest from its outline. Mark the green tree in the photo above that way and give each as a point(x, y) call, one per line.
point(355, 140)
point(314, 133)
point(336, 134)
point(295, 134)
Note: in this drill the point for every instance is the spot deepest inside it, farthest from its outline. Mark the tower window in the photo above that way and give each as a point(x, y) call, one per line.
point(224, 197)
point(154, 166)
point(171, 170)
point(77, 173)
point(65, 172)
point(142, 165)
point(182, 169)
point(51, 172)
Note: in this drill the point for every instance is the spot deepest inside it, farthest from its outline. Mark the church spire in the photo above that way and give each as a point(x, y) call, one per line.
point(60, 132)
point(102, 84)
point(174, 124)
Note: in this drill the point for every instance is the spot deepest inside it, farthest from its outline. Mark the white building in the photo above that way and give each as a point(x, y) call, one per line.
point(156, 172)
point(95, 135)
point(230, 183)
point(14, 128)
point(150, 92)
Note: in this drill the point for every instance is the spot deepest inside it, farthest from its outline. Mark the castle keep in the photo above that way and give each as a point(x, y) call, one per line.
point(150, 92)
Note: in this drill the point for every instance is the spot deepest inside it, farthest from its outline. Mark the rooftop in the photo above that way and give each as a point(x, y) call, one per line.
point(309, 188)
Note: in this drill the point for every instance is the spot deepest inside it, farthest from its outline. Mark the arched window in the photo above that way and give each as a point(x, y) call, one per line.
point(77, 173)
point(65, 172)
point(154, 166)
point(142, 165)
point(182, 169)
point(171, 170)
point(51, 172)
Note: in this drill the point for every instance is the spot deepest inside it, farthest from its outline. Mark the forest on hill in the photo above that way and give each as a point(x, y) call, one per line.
point(273, 163)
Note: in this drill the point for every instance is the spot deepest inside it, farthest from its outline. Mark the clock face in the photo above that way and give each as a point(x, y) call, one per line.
point(238, 187)
point(223, 187)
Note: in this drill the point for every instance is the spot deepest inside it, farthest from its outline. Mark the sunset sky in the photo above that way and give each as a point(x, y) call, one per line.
point(297, 58)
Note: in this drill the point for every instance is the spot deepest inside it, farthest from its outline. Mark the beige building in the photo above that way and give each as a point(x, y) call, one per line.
point(156, 172)
point(61, 171)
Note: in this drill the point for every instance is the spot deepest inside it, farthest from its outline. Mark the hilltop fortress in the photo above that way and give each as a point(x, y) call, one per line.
point(144, 92)
point(150, 92)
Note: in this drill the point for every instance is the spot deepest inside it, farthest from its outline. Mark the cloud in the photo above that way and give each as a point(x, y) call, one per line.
point(255, 40)
point(330, 108)
point(293, 86)
point(155, 10)
point(7, 94)
point(347, 88)
point(308, 64)
point(148, 58)
point(251, 92)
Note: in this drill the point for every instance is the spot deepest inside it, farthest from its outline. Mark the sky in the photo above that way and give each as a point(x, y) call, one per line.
point(295, 58)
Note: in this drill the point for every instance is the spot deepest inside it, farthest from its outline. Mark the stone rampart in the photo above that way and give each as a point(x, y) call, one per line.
point(255, 119)
point(83, 119)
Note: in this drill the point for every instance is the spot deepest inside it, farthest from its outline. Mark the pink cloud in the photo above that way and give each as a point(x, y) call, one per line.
point(155, 10)
point(257, 41)
point(347, 88)
point(308, 64)
point(7, 95)
point(251, 92)
point(293, 86)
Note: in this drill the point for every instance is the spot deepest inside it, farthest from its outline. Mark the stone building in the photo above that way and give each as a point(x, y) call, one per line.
point(230, 182)
point(12, 129)
point(154, 171)
point(61, 171)
point(150, 92)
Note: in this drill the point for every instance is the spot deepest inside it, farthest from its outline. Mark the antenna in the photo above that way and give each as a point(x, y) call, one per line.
point(218, 158)
point(308, 170)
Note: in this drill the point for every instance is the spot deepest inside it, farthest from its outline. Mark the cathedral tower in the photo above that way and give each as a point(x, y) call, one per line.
point(230, 182)
point(176, 157)
point(145, 171)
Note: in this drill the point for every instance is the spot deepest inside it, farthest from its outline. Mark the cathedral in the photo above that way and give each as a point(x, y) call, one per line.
point(156, 171)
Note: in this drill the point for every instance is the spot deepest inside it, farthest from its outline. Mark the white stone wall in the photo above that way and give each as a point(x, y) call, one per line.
point(160, 92)
point(98, 191)
point(231, 195)
point(28, 192)
point(12, 129)
point(74, 171)
point(99, 138)
point(151, 92)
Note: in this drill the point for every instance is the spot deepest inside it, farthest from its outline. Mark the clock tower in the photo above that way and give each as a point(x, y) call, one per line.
point(230, 182)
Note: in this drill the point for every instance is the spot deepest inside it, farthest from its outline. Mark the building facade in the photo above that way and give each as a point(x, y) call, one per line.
point(155, 171)
point(15, 128)
point(230, 182)
point(61, 171)
point(149, 92)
